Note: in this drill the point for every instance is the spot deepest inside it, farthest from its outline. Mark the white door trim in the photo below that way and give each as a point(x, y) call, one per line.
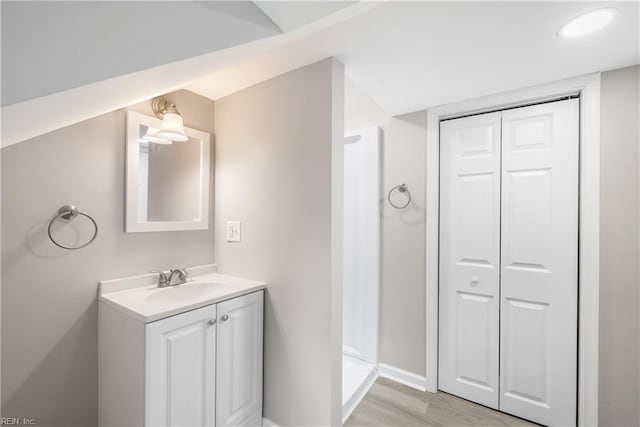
point(588, 87)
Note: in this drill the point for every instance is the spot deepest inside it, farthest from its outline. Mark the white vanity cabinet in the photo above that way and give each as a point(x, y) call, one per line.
point(180, 369)
point(239, 361)
point(199, 368)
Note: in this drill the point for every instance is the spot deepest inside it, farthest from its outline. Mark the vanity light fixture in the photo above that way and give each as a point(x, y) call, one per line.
point(172, 128)
point(152, 136)
point(588, 22)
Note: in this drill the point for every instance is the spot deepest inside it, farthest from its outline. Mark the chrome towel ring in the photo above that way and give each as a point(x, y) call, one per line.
point(68, 213)
point(402, 188)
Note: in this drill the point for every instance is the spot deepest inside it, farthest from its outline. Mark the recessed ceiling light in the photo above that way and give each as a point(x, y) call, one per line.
point(588, 23)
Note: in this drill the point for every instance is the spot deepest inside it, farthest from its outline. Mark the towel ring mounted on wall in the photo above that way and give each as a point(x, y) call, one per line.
point(68, 213)
point(402, 188)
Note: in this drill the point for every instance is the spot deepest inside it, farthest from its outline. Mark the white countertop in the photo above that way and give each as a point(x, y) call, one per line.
point(147, 303)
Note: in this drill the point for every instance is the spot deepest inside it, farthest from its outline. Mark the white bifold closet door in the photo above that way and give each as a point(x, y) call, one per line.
point(526, 300)
point(539, 301)
point(470, 258)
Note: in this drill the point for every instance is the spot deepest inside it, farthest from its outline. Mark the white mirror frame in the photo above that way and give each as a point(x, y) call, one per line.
point(133, 224)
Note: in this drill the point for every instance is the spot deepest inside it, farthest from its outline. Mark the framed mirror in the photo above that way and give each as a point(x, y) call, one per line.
point(167, 182)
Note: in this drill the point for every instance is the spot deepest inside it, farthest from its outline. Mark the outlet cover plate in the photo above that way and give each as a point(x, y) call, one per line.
point(233, 231)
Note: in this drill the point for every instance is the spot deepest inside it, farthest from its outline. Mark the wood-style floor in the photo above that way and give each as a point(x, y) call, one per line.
point(390, 404)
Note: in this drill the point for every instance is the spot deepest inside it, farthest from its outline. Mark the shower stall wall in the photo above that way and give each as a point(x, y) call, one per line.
point(361, 264)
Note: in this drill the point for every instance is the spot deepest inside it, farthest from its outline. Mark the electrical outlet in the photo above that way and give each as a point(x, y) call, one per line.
point(233, 231)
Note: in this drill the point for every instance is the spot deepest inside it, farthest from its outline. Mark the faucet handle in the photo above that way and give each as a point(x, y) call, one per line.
point(185, 270)
point(163, 278)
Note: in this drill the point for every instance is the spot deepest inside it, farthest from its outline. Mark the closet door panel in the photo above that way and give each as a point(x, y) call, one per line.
point(539, 262)
point(469, 257)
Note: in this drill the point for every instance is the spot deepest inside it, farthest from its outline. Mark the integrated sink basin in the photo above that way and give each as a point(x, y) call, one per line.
point(185, 292)
point(141, 297)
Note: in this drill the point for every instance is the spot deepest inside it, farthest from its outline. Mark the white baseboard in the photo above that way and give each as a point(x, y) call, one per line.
point(360, 393)
point(266, 422)
point(403, 377)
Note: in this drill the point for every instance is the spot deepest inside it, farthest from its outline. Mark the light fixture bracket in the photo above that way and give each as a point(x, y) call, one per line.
point(162, 106)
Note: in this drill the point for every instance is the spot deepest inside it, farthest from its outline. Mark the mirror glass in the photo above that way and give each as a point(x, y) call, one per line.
point(167, 182)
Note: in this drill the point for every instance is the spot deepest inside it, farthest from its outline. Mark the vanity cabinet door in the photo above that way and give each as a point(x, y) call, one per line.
point(180, 376)
point(239, 361)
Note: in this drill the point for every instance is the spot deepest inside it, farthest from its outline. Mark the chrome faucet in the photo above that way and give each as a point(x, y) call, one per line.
point(166, 279)
point(182, 276)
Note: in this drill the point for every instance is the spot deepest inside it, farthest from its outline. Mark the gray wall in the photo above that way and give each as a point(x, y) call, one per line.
point(49, 308)
point(619, 258)
point(402, 315)
point(274, 174)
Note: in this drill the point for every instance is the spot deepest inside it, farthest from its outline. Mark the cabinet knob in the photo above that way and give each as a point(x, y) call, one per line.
point(212, 322)
point(224, 317)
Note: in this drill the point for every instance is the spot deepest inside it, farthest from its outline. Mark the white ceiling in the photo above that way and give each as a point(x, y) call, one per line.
point(291, 15)
point(412, 55)
point(406, 56)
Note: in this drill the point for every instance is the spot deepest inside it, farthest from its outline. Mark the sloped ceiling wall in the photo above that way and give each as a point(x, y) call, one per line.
point(65, 62)
point(49, 47)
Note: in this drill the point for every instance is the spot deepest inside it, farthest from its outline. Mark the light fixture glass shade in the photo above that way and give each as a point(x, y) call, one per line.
point(152, 136)
point(588, 23)
point(172, 128)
